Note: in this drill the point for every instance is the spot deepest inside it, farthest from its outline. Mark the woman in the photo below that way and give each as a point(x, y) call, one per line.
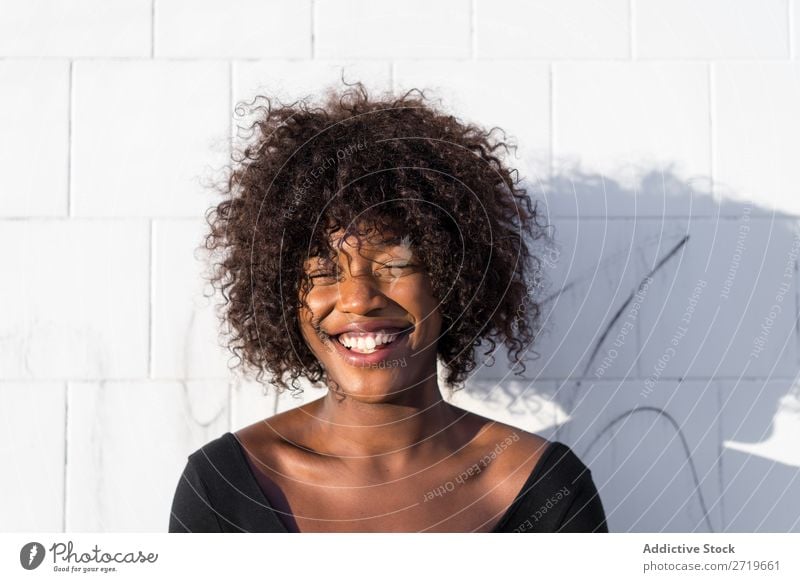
point(360, 242)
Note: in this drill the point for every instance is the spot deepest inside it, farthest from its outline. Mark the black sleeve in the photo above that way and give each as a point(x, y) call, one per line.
point(191, 510)
point(585, 513)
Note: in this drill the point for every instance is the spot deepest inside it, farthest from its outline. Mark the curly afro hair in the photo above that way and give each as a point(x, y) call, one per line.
point(394, 163)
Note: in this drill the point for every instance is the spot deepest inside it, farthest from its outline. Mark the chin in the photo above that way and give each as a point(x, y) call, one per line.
point(372, 385)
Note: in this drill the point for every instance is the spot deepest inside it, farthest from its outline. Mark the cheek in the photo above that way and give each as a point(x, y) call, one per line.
point(319, 304)
point(427, 299)
point(321, 301)
point(416, 296)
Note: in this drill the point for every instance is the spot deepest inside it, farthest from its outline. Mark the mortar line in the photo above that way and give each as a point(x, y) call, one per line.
point(66, 453)
point(790, 18)
point(153, 29)
point(313, 30)
point(70, 112)
point(150, 295)
point(632, 29)
point(473, 29)
point(712, 149)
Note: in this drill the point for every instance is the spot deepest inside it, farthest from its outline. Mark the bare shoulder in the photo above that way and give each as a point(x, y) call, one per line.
point(492, 432)
point(270, 430)
point(507, 456)
point(272, 443)
point(509, 448)
point(519, 443)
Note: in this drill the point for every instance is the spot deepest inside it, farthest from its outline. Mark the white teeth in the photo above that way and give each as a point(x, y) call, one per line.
point(366, 343)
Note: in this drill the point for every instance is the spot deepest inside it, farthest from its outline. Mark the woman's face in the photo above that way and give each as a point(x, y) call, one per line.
point(372, 320)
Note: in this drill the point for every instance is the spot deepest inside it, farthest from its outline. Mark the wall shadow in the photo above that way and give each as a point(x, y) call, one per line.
point(662, 359)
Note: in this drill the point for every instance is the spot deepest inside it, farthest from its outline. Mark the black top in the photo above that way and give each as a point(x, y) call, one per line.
point(218, 492)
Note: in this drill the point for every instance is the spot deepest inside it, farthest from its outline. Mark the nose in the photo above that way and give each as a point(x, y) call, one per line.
point(359, 294)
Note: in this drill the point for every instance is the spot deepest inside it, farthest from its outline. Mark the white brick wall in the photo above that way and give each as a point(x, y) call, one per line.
point(141, 130)
point(471, 89)
point(661, 135)
point(34, 103)
point(365, 29)
point(626, 119)
point(757, 132)
point(711, 29)
point(233, 28)
point(78, 306)
point(553, 29)
point(76, 28)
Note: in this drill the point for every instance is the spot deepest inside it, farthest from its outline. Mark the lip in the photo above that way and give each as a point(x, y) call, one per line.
point(371, 325)
point(383, 352)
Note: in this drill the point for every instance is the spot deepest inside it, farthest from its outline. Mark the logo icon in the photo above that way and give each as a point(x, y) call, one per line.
point(31, 555)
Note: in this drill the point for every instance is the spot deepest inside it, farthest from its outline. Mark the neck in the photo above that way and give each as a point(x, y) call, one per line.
point(391, 433)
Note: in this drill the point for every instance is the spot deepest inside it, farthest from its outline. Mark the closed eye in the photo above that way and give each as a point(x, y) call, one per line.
point(322, 277)
point(397, 269)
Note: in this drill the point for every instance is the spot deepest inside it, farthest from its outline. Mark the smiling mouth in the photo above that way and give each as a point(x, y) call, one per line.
point(368, 343)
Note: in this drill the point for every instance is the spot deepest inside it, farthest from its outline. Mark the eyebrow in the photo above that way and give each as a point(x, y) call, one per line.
point(313, 261)
point(396, 240)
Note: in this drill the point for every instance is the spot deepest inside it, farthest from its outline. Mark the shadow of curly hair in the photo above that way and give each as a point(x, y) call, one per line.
point(394, 163)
